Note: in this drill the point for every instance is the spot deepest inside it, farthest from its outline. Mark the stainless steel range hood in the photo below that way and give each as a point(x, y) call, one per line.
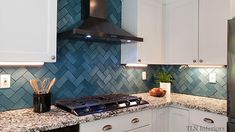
point(95, 26)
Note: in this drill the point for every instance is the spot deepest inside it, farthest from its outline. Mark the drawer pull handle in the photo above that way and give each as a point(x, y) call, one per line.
point(135, 120)
point(107, 127)
point(208, 120)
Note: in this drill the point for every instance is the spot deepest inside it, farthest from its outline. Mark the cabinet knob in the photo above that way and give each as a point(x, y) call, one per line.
point(201, 61)
point(53, 57)
point(107, 127)
point(194, 61)
point(208, 120)
point(139, 60)
point(135, 120)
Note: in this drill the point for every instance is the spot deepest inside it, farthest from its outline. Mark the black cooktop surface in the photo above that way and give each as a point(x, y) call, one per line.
point(95, 104)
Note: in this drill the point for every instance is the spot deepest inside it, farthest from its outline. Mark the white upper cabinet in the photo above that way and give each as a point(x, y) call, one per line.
point(181, 31)
point(213, 18)
point(143, 18)
point(28, 30)
point(196, 31)
point(232, 9)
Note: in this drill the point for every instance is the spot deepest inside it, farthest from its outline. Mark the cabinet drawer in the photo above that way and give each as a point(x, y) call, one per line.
point(118, 123)
point(206, 119)
point(142, 129)
point(136, 120)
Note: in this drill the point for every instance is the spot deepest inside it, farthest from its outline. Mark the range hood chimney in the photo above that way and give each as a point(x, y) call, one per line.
point(95, 26)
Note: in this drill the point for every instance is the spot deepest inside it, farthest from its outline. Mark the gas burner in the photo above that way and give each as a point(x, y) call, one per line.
point(95, 104)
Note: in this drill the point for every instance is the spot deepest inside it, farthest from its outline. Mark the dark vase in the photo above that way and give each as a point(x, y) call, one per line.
point(41, 103)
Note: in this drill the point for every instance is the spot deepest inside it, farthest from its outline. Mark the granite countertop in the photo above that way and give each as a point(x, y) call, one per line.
point(25, 120)
point(212, 105)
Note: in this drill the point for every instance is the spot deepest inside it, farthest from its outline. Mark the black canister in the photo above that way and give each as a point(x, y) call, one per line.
point(41, 103)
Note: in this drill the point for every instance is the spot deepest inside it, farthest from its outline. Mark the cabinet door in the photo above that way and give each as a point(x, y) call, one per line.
point(28, 30)
point(206, 121)
point(142, 129)
point(160, 120)
point(129, 23)
point(122, 123)
point(135, 21)
point(181, 31)
point(150, 28)
point(213, 17)
point(178, 120)
point(232, 9)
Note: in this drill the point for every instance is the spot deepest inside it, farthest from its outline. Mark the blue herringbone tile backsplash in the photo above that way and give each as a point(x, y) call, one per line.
point(94, 68)
point(195, 81)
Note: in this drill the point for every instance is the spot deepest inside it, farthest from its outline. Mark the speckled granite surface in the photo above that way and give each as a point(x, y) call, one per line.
point(26, 120)
point(216, 106)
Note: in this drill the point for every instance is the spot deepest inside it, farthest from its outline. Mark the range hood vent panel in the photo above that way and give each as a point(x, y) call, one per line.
point(96, 28)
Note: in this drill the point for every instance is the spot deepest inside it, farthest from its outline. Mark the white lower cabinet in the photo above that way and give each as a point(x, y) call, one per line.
point(178, 119)
point(170, 119)
point(209, 122)
point(142, 129)
point(167, 119)
point(161, 119)
point(134, 122)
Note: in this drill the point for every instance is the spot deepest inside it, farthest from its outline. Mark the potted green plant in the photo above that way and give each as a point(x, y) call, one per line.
point(165, 79)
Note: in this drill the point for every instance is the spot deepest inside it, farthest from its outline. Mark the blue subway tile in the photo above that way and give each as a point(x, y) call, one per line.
point(18, 73)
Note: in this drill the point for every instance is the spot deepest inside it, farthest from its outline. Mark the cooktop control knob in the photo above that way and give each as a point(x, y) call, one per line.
point(122, 105)
point(133, 103)
point(87, 110)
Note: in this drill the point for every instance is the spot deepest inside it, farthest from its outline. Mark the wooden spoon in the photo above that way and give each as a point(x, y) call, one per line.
point(51, 84)
point(35, 84)
point(31, 83)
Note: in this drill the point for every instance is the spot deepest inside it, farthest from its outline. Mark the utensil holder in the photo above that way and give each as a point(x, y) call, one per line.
point(41, 103)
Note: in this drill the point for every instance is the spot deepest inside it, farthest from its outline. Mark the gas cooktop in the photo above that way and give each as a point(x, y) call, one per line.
point(95, 104)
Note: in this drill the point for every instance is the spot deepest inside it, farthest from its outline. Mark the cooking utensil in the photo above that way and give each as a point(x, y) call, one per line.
point(42, 86)
point(51, 84)
point(35, 85)
point(34, 89)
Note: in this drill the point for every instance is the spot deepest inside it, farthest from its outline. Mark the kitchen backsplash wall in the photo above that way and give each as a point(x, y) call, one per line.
point(195, 81)
point(84, 69)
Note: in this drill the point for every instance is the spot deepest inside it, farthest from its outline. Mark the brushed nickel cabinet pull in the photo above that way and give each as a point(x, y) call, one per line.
point(139, 60)
point(194, 61)
point(208, 120)
point(107, 127)
point(135, 120)
point(201, 61)
point(53, 57)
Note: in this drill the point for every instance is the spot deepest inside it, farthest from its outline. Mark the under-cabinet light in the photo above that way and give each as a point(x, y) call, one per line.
point(207, 66)
point(88, 36)
point(136, 65)
point(21, 63)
